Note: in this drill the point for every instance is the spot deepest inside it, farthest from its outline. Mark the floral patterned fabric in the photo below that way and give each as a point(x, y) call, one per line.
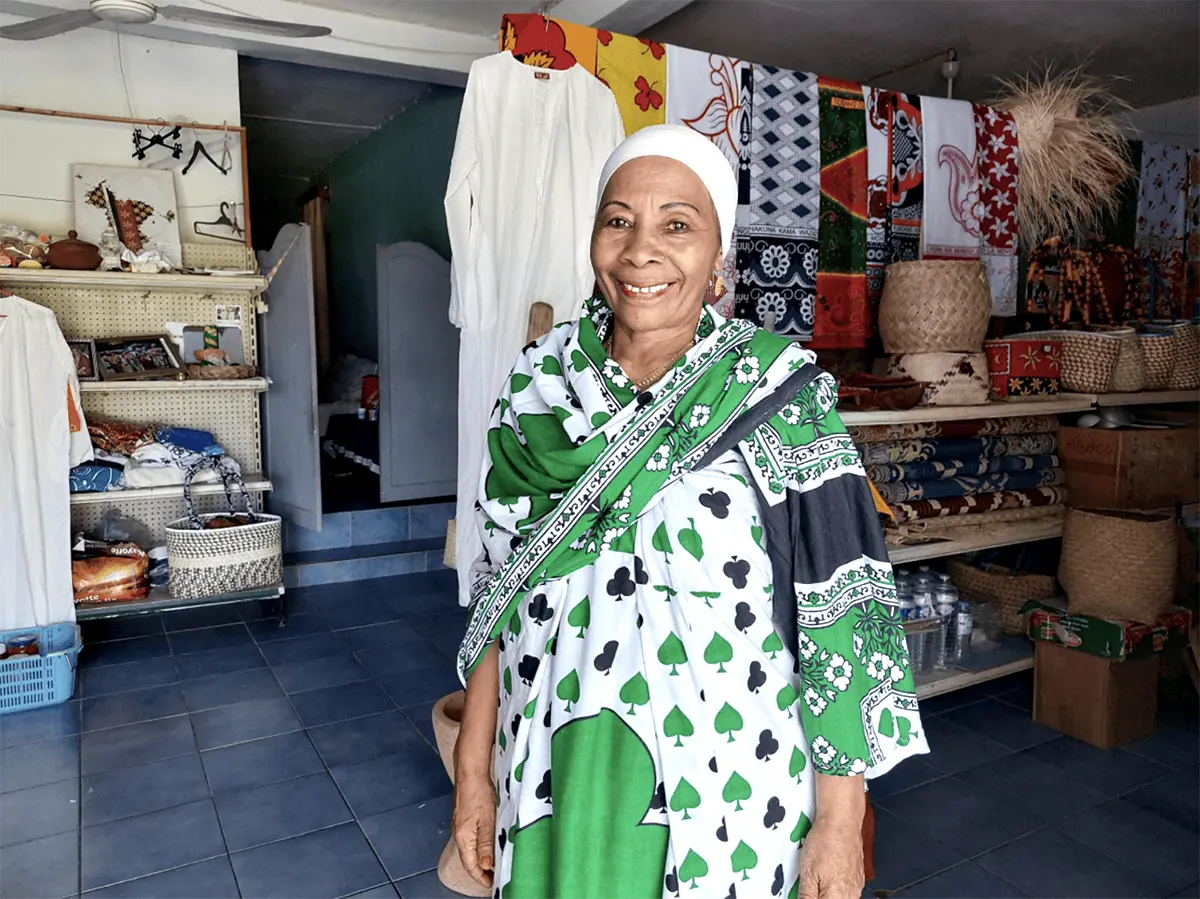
point(953, 209)
point(906, 177)
point(984, 502)
point(633, 592)
point(548, 43)
point(954, 468)
point(842, 319)
point(635, 70)
point(878, 168)
point(997, 160)
point(974, 427)
point(969, 485)
point(781, 184)
point(940, 449)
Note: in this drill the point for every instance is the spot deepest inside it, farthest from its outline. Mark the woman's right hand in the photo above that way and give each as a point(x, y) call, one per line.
point(474, 826)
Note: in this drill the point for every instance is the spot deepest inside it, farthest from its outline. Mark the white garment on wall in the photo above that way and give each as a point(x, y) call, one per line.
point(38, 387)
point(519, 207)
point(950, 225)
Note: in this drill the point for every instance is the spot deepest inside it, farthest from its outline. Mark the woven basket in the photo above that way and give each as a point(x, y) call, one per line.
point(1007, 588)
point(934, 306)
point(1185, 373)
point(1118, 564)
point(1129, 375)
point(951, 379)
point(1159, 352)
point(220, 372)
point(1089, 360)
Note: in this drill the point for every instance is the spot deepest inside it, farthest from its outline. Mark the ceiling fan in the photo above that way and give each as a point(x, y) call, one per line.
point(142, 12)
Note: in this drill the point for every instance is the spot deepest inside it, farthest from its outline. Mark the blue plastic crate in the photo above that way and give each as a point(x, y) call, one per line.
point(29, 682)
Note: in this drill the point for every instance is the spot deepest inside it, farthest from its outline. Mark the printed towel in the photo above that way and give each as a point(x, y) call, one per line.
point(996, 158)
point(906, 187)
point(952, 207)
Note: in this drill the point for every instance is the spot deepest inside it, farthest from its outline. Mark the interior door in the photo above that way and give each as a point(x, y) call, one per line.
point(291, 441)
point(418, 375)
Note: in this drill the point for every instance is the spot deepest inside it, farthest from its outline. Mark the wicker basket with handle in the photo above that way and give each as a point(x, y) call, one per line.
point(934, 306)
point(1006, 588)
point(1118, 564)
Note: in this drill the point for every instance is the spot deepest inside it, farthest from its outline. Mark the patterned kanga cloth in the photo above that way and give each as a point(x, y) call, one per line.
point(981, 502)
point(976, 427)
point(970, 485)
point(941, 449)
point(886, 473)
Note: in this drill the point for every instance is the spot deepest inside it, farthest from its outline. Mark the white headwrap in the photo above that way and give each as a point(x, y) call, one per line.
point(695, 151)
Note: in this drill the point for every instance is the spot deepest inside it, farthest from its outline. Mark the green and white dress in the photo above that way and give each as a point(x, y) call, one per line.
point(695, 614)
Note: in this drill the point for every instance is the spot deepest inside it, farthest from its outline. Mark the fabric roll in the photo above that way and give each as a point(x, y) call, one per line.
point(969, 485)
point(842, 319)
point(997, 159)
point(939, 449)
point(955, 468)
point(975, 427)
point(906, 177)
point(960, 525)
point(950, 229)
point(635, 70)
point(780, 192)
point(982, 502)
point(878, 166)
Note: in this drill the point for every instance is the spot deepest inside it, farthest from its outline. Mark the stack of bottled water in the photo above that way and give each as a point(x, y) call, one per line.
point(929, 595)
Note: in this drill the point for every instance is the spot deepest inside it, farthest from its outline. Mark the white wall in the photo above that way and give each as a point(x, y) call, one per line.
point(81, 72)
point(1177, 122)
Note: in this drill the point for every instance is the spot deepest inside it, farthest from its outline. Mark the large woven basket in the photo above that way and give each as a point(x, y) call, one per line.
point(951, 379)
point(223, 560)
point(1007, 588)
point(1158, 350)
point(1118, 564)
point(1129, 374)
point(1089, 360)
point(1185, 336)
point(934, 306)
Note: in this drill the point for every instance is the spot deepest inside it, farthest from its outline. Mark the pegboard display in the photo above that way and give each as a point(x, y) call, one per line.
point(93, 312)
point(231, 256)
point(231, 415)
point(155, 514)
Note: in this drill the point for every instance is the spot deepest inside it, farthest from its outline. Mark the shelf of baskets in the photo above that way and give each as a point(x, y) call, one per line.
point(160, 600)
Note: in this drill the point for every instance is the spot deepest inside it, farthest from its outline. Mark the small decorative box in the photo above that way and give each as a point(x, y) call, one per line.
point(1025, 365)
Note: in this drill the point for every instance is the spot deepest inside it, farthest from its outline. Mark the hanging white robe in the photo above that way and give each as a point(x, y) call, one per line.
point(42, 435)
point(519, 207)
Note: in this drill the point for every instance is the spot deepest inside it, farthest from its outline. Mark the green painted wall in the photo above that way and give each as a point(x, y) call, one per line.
point(387, 188)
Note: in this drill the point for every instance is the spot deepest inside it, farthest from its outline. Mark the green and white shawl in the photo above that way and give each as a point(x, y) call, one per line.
point(719, 529)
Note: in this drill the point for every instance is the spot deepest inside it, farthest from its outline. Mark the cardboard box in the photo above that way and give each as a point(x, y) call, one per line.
point(1130, 469)
point(1106, 638)
point(1106, 704)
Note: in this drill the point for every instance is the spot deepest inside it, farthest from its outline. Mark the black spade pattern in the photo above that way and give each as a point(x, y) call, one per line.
point(604, 661)
point(723, 832)
point(775, 813)
point(767, 746)
point(743, 618)
point(717, 502)
point(672, 881)
point(539, 610)
point(736, 570)
point(639, 571)
point(757, 677)
point(527, 669)
point(658, 801)
point(621, 584)
point(543, 789)
point(777, 883)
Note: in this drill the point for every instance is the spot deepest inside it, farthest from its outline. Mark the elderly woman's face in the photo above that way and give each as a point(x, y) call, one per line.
point(655, 244)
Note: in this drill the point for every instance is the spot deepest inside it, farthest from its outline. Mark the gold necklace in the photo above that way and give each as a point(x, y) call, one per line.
point(644, 382)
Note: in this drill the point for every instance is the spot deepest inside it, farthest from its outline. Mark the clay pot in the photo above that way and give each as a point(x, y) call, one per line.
point(73, 254)
point(447, 720)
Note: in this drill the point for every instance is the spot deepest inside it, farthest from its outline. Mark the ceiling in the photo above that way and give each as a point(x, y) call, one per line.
point(480, 17)
point(1152, 44)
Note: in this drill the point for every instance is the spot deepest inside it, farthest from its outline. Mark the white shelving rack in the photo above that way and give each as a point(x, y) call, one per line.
point(1014, 656)
point(118, 304)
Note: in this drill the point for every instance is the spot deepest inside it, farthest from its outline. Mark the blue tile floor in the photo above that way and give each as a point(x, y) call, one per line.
point(211, 753)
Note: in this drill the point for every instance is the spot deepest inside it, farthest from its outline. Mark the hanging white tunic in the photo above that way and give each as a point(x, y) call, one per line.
point(39, 407)
point(519, 207)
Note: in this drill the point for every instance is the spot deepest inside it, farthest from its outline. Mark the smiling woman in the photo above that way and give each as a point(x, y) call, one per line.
point(684, 653)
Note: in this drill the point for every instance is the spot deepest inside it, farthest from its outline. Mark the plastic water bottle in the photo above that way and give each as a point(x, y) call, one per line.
point(922, 595)
point(903, 580)
point(945, 599)
point(908, 608)
point(963, 626)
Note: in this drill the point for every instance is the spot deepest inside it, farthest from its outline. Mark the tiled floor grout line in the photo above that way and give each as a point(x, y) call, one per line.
point(106, 886)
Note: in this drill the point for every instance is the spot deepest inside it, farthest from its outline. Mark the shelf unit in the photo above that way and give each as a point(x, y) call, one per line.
point(160, 600)
point(1000, 535)
point(1147, 397)
point(1014, 654)
point(117, 304)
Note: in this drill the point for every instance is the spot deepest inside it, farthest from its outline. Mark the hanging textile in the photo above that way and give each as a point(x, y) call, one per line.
point(952, 209)
point(777, 246)
point(878, 167)
point(45, 435)
point(704, 93)
point(996, 158)
point(519, 208)
point(548, 43)
point(1161, 228)
point(1193, 234)
point(906, 188)
point(842, 319)
point(635, 70)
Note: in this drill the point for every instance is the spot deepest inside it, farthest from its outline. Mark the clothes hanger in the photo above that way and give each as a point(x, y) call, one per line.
point(227, 219)
point(159, 138)
point(199, 149)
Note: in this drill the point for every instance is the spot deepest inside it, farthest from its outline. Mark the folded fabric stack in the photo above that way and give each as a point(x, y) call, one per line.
point(132, 456)
point(951, 475)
